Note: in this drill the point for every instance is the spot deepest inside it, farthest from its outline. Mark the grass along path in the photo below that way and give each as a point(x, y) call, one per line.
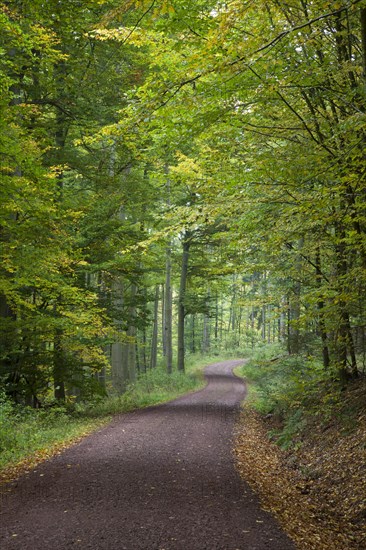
point(28, 436)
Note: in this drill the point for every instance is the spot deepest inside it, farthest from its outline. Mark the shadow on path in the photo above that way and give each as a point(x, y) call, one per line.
point(162, 478)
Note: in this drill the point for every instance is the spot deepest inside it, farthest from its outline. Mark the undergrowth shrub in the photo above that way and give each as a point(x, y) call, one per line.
point(152, 387)
point(23, 429)
point(289, 389)
point(288, 436)
point(7, 420)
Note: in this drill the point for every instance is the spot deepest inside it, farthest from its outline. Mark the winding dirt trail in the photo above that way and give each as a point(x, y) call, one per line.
point(161, 478)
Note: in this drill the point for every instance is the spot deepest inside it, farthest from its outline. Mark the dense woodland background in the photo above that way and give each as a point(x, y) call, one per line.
point(178, 177)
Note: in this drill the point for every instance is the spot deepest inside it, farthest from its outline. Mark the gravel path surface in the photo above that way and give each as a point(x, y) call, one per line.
point(161, 478)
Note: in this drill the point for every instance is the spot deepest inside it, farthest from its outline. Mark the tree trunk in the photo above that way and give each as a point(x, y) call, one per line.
point(163, 335)
point(216, 319)
point(206, 334)
point(129, 348)
point(295, 307)
point(117, 374)
point(168, 312)
point(154, 339)
point(264, 322)
point(363, 42)
point(322, 326)
point(193, 333)
point(181, 306)
point(61, 130)
point(345, 339)
point(58, 367)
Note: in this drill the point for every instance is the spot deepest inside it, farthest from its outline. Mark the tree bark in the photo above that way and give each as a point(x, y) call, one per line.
point(58, 367)
point(345, 339)
point(154, 338)
point(322, 326)
point(168, 304)
point(363, 42)
point(193, 333)
point(186, 243)
point(168, 312)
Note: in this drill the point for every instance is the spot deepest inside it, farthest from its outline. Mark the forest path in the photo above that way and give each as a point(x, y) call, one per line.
point(161, 478)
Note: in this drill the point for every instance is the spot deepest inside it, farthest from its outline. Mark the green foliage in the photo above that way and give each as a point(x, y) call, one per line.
point(153, 387)
point(292, 391)
point(268, 133)
point(7, 421)
point(60, 197)
point(282, 383)
point(24, 430)
point(119, 137)
point(288, 436)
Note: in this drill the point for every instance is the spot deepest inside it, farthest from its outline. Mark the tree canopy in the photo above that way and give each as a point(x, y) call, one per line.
point(177, 176)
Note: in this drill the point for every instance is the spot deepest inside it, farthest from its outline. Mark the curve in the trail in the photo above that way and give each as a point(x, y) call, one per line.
point(161, 478)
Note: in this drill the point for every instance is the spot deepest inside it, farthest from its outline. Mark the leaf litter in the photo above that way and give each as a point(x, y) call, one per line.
point(317, 490)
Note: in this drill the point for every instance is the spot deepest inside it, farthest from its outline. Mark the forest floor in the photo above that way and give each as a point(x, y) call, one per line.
point(317, 488)
point(161, 478)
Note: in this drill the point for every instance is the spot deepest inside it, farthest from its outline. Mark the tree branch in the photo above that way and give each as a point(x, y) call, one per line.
point(306, 258)
point(308, 23)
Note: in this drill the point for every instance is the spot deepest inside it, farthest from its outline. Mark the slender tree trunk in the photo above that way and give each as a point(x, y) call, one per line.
point(117, 374)
point(282, 329)
point(252, 316)
point(264, 321)
point(181, 306)
point(124, 350)
point(363, 42)
point(7, 313)
point(130, 346)
point(295, 307)
point(206, 334)
point(288, 332)
point(138, 357)
point(163, 335)
point(154, 339)
point(240, 318)
point(216, 319)
point(206, 326)
point(168, 312)
point(61, 130)
point(321, 305)
point(58, 367)
point(221, 327)
point(143, 355)
point(269, 324)
point(168, 309)
point(345, 340)
point(193, 333)
point(9, 339)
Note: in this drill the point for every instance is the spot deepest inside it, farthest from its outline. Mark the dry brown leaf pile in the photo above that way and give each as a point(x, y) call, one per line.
point(318, 494)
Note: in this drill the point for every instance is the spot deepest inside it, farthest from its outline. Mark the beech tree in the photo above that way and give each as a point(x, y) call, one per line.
point(274, 129)
point(57, 216)
point(198, 168)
